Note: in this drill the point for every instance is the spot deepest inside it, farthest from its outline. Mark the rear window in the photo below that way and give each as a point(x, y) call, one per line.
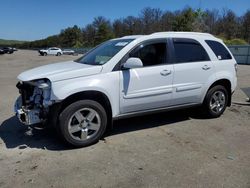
point(189, 50)
point(219, 50)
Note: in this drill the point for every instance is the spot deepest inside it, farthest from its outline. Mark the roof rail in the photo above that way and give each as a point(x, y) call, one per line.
point(182, 32)
point(131, 36)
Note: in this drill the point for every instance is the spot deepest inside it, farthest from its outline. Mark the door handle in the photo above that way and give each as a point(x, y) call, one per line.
point(165, 72)
point(206, 67)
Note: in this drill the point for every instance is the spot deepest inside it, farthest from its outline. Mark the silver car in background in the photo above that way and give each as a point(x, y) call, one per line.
point(68, 52)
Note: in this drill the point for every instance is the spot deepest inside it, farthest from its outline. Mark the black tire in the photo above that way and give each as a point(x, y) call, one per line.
point(58, 54)
point(44, 54)
point(212, 107)
point(67, 116)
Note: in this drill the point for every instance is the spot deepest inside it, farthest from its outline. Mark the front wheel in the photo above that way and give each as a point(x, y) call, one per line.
point(58, 54)
point(216, 101)
point(82, 123)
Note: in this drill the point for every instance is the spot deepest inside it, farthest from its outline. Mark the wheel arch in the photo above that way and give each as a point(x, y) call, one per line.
point(97, 96)
point(227, 84)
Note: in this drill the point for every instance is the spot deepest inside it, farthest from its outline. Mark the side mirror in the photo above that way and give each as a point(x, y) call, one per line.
point(133, 62)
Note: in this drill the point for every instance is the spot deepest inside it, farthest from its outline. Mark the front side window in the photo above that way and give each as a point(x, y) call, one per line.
point(219, 50)
point(189, 50)
point(103, 53)
point(151, 54)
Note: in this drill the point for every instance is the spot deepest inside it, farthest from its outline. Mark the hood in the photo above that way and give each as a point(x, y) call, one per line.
point(60, 71)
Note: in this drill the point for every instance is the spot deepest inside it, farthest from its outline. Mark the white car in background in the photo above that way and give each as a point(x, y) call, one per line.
point(51, 51)
point(128, 76)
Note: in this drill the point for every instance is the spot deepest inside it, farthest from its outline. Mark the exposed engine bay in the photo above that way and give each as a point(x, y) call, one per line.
point(32, 106)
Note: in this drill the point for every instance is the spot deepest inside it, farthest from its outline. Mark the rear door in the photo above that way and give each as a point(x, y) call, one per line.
point(192, 68)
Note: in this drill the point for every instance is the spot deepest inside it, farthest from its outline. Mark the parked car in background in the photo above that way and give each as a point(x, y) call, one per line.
point(8, 50)
point(2, 51)
point(128, 76)
point(51, 51)
point(68, 52)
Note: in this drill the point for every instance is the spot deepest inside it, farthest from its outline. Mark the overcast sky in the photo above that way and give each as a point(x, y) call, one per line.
point(32, 19)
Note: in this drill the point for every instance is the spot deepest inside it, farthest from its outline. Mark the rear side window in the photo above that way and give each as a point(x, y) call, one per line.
point(219, 50)
point(189, 50)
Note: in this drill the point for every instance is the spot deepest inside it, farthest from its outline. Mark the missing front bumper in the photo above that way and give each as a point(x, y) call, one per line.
point(26, 116)
point(29, 117)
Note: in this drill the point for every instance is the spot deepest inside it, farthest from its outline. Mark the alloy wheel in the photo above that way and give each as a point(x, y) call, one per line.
point(84, 124)
point(217, 102)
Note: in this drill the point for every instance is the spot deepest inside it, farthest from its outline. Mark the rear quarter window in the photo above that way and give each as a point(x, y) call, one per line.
point(219, 50)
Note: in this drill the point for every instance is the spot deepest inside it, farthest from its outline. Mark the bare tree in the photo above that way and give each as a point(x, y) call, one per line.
point(211, 19)
point(151, 19)
point(245, 28)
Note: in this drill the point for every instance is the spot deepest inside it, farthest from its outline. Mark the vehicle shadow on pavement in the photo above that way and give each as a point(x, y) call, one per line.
point(153, 120)
point(16, 135)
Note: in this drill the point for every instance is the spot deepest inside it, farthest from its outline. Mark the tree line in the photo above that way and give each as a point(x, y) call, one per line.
point(225, 24)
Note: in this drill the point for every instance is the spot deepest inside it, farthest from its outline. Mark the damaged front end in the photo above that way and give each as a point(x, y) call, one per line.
point(32, 106)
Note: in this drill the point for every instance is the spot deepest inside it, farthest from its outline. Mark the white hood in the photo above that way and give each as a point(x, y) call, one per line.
point(60, 71)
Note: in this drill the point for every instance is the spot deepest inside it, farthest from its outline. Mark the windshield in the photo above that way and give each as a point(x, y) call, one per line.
point(103, 53)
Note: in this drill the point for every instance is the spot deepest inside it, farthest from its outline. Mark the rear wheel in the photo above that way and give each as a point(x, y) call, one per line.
point(216, 101)
point(58, 54)
point(82, 123)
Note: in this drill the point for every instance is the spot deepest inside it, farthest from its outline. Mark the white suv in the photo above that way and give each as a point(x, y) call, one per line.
point(125, 77)
point(51, 51)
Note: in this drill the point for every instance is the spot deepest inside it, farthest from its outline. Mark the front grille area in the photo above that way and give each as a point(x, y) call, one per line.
point(26, 90)
point(29, 106)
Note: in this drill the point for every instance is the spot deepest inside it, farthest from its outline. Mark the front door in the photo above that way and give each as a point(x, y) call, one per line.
point(150, 86)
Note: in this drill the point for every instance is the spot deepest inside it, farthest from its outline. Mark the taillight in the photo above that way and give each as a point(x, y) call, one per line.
point(236, 67)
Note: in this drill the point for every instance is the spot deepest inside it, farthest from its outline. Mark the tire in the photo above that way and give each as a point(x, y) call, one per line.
point(82, 123)
point(216, 101)
point(44, 54)
point(58, 54)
